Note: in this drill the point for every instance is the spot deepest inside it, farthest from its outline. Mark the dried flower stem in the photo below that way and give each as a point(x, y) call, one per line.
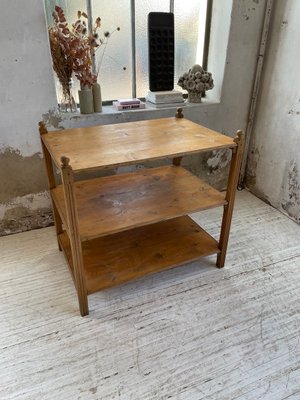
point(73, 50)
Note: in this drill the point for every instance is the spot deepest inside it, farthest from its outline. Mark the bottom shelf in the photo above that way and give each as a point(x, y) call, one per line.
point(115, 259)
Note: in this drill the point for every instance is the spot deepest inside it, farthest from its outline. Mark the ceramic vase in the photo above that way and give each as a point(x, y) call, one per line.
point(194, 97)
point(86, 102)
point(97, 99)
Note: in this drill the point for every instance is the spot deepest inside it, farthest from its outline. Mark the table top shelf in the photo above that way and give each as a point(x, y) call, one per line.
point(130, 143)
point(116, 203)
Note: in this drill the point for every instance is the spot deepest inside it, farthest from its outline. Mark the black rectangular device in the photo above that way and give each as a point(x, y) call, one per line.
point(161, 51)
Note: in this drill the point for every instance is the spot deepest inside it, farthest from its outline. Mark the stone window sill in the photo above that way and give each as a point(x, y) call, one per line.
point(110, 115)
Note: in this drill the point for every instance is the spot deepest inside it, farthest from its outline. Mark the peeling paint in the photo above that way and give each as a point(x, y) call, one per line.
point(31, 201)
point(216, 168)
point(219, 159)
point(20, 175)
point(25, 213)
point(293, 112)
point(53, 118)
point(20, 219)
point(216, 175)
point(291, 202)
point(252, 163)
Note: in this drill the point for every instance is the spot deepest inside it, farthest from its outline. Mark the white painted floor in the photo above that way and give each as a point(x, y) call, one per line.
point(191, 333)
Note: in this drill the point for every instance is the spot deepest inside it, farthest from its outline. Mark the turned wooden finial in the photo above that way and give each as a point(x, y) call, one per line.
point(239, 137)
point(179, 113)
point(64, 161)
point(42, 128)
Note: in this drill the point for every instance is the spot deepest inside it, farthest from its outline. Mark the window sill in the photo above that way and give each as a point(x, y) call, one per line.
point(110, 115)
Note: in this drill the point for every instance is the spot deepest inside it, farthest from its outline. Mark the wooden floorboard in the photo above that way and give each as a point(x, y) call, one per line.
point(190, 333)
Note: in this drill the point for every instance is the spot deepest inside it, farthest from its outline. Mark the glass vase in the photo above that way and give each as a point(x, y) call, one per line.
point(67, 103)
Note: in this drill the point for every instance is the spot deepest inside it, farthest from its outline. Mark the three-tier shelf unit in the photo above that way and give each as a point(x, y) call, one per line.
point(119, 227)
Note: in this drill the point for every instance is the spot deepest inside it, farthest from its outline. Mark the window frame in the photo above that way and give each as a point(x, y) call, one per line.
point(133, 39)
point(133, 56)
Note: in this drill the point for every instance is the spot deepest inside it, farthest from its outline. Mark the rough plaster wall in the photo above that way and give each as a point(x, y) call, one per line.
point(273, 171)
point(23, 200)
point(26, 86)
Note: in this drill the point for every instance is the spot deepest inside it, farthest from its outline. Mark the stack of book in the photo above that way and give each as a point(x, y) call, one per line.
point(166, 98)
point(128, 104)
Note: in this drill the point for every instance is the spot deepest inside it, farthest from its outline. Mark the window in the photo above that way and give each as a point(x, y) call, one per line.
point(124, 67)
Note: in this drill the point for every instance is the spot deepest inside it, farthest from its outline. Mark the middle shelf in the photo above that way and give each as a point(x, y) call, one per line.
point(116, 203)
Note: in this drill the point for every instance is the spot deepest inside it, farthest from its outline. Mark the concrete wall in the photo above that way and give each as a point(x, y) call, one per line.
point(273, 171)
point(26, 84)
point(27, 90)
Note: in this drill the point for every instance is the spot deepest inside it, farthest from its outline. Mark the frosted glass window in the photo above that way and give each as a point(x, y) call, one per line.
point(115, 58)
point(190, 17)
point(142, 9)
point(115, 74)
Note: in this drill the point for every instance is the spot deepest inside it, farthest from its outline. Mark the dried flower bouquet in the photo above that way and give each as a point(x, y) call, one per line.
point(73, 49)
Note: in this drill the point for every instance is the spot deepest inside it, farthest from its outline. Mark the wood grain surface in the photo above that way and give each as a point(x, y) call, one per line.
point(75, 241)
point(115, 203)
point(132, 142)
point(115, 259)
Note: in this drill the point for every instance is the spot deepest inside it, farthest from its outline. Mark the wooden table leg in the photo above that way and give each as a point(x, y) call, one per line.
point(233, 178)
point(177, 161)
point(73, 232)
point(51, 181)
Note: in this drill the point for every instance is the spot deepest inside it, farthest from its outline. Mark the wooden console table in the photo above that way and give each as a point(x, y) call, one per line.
point(116, 228)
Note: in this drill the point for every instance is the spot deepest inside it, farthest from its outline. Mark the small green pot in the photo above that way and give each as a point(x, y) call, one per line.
point(97, 97)
point(86, 102)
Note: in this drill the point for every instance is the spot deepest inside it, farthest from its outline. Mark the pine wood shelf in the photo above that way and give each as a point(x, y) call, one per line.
point(116, 203)
point(115, 259)
point(117, 228)
point(128, 143)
